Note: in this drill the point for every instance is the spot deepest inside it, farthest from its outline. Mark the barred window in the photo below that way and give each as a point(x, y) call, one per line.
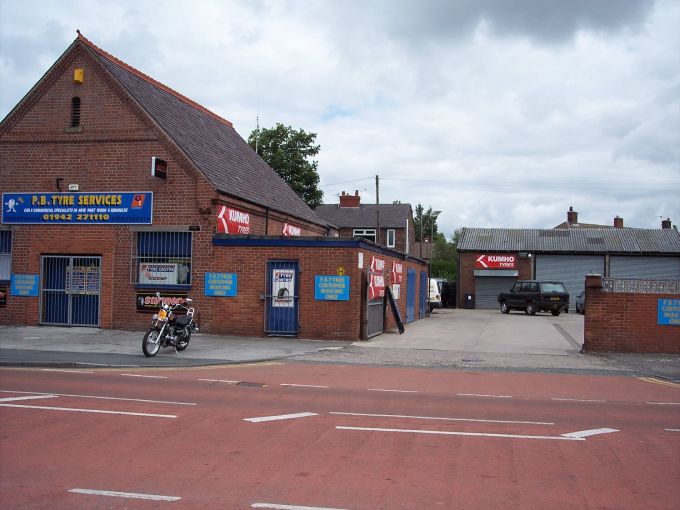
point(161, 258)
point(75, 112)
point(5, 254)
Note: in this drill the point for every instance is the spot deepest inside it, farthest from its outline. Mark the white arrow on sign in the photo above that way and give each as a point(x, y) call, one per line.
point(480, 259)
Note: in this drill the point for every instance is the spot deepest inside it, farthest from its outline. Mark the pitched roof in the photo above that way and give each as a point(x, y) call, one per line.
point(209, 141)
point(391, 215)
point(634, 241)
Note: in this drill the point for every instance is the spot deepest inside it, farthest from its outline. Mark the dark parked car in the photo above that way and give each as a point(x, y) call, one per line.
point(535, 296)
point(581, 303)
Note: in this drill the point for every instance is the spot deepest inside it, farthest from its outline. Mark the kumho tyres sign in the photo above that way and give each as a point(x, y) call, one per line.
point(78, 208)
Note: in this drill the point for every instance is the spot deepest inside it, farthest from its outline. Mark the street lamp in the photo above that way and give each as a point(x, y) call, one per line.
point(433, 217)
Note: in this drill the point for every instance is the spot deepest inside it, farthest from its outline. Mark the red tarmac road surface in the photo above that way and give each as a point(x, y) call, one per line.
point(416, 439)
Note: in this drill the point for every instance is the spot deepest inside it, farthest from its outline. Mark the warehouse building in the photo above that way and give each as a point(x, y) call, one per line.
point(490, 260)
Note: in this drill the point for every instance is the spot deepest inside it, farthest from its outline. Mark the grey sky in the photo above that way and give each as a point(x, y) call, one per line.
point(499, 113)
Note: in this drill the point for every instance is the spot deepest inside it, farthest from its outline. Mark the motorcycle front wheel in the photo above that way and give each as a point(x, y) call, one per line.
point(151, 343)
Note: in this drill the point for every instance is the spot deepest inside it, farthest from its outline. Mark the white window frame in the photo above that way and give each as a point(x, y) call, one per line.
point(365, 233)
point(391, 238)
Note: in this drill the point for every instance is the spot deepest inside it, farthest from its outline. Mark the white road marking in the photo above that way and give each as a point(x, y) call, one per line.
point(446, 419)
point(104, 398)
point(304, 385)
point(279, 417)
point(275, 506)
point(393, 391)
point(673, 430)
point(577, 400)
point(67, 371)
point(478, 395)
point(132, 495)
point(449, 433)
point(100, 411)
point(147, 376)
point(32, 397)
point(219, 380)
point(592, 432)
point(663, 403)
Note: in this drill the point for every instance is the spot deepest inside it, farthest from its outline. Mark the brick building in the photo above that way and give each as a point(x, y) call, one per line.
point(115, 187)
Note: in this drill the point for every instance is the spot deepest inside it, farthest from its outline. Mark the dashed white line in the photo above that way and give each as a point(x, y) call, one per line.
point(99, 411)
point(276, 506)
point(393, 391)
point(578, 400)
point(32, 397)
point(663, 403)
point(279, 417)
point(129, 495)
point(67, 371)
point(146, 376)
point(481, 395)
point(445, 419)
point(303, 385)
point(103, 398)
point(673, 430)
point(592, 432)
point(450, 433)
point(219, 380)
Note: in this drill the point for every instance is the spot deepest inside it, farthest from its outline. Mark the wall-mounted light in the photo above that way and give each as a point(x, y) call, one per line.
point(78, 76)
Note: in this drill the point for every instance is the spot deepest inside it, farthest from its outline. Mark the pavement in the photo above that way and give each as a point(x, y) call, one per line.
point(448, 339)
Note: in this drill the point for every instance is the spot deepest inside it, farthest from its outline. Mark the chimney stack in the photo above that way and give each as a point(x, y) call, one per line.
point(572, 216)
point(347, 200)
point(666, 224)
point(618, 222)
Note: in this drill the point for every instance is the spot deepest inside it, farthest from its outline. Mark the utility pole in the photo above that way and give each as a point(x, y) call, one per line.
point(377, 208)
point(257, 133)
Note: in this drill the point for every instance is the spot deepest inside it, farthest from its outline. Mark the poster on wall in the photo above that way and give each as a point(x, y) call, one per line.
point(221, 284)
point(331, 288)
point(291, 230)
point(149, 302)
point(376, 286)
point(283, 288)
point(232, 221)
point(3, 297)
point(158, 273)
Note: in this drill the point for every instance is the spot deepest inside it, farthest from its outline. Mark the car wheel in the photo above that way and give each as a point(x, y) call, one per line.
point(555, 312)
point(531, 309)
point(504, 307)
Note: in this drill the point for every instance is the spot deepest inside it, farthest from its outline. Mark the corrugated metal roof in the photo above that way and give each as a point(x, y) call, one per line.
point(599, 241)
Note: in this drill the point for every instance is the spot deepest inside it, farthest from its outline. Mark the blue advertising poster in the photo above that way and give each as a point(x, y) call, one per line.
point(24, 285)
point(331, 288)
point(669, 312)
point(78, 208)
point(221, 284)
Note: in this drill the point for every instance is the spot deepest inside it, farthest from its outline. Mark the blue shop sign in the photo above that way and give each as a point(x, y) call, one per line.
point(78, 208)
point(24, 285)
point(221, 284)
point(331, 288)
point(669, 312)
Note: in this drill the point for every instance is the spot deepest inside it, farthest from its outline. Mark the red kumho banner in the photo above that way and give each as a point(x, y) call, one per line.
point(233, 221)
point(496, 262)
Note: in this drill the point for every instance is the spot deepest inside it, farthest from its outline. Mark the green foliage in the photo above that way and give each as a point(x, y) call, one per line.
point(444, 269)
point(444, 257)
point(290, 153)
point(424, 223)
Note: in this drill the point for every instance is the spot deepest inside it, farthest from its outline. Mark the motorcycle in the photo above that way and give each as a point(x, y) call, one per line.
point(169, 329)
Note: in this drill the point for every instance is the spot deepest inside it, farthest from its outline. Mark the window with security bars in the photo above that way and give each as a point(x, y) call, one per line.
point(161, 258)
point(5, 254)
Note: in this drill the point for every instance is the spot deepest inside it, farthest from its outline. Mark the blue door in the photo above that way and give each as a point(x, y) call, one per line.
point(411, 296)
point(423, 293)
point(281, 312)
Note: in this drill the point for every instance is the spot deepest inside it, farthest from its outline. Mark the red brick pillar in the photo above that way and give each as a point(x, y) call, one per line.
point(593, 310)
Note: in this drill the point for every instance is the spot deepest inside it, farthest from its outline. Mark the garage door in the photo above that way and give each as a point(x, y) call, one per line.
point(648, 268)
point(569, 269)
point(487, 289)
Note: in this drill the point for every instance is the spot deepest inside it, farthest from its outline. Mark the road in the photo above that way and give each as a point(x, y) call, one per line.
point(283, 435)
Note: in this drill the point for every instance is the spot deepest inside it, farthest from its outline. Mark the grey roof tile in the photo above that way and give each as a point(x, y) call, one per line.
point(391, 215)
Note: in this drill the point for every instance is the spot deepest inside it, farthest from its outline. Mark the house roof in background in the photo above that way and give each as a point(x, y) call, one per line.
point(209, 141)
point(597, 241)
point(391, 215)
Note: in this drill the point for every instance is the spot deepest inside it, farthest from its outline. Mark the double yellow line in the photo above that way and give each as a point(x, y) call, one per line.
point(660, 381)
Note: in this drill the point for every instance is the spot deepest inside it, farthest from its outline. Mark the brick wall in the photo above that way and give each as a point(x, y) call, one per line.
point(626, 321)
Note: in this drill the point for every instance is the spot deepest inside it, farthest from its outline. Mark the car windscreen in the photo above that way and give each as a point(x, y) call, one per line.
point(553, 287)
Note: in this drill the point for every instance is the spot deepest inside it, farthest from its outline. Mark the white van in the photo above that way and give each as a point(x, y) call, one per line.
point(435, 299)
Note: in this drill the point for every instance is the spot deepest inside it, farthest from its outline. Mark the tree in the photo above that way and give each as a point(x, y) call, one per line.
point(424, 223)
point(290, 153)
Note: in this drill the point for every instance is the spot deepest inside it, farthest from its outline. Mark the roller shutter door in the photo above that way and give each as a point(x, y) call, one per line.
point(487, 289)
point(569, 269)
point(647, 268)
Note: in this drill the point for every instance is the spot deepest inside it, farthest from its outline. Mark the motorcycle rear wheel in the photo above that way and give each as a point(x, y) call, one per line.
point(181, 345)
point(151, 343)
